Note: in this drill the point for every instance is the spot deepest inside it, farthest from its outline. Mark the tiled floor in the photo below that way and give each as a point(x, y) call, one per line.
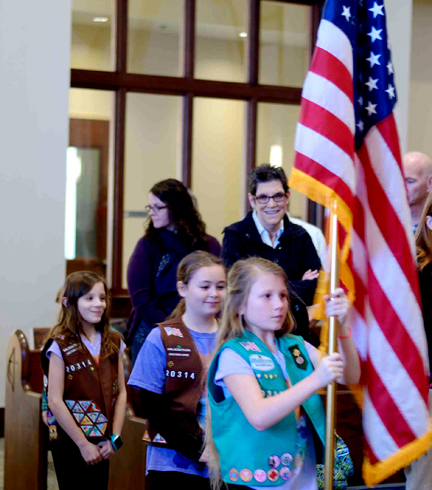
point(52, 481)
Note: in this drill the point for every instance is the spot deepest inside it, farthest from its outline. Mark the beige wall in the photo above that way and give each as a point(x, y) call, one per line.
point(34, 67)
point(420, 94)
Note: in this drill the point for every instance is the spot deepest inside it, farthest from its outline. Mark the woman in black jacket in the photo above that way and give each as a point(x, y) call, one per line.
point(175, 229)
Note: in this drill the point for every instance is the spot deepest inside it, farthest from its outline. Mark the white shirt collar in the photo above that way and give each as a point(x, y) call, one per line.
point(264, 234)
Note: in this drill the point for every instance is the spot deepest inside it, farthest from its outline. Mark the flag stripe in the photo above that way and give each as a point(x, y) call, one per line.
point(336, 42)
point(378, 440)
point(328, 66)
point(318, 172)
point(326, 123)
point(387, 409)
point(325, 152)
point(387, 219)
point(336, 100)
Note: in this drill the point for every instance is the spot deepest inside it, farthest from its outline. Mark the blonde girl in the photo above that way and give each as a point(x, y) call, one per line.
point(170, 373)
point(267, 419)
point(86, 386)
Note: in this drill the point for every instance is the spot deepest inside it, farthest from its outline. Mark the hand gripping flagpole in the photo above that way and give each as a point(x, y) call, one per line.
point(332, 348)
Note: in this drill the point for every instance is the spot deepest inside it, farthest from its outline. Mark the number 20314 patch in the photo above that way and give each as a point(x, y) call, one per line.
point(179, 374)
point(77, 366)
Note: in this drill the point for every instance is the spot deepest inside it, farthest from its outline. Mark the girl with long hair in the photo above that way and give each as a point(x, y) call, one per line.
point(170, 373)
point(86, 385)
point(267, 420)
point(175, 229)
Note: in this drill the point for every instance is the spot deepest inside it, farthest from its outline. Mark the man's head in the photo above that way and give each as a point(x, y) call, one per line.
point(267, 182)
point(418, 177)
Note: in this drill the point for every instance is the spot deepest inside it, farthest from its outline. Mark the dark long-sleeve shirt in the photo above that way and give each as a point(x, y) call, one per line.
point(151, 277)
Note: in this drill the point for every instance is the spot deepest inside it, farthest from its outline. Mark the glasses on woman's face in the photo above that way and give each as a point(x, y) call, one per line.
point(263, 199)
point(155, 208)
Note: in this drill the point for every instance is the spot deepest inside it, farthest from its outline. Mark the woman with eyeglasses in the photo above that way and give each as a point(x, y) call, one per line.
point(174, 230)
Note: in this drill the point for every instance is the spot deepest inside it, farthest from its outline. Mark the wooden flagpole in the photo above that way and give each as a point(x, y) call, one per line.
point(332, 347)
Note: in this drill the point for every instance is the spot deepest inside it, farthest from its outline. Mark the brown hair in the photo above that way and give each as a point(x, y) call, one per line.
point(187, 268)
point(423, 236)
point(241, 278)
point(69, 323)
point(183, 214)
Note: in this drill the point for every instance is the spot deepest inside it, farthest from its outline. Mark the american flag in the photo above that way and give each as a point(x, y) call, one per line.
point(347, 150)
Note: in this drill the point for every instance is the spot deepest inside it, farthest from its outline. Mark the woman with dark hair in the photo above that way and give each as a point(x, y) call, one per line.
point(175, 229)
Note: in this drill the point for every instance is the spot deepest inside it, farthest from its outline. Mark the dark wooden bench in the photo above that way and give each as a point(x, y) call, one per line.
point(26, 439)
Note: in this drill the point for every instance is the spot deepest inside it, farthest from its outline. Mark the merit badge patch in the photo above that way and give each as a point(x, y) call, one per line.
point(173, 331)
point(250, 346)
point(88, 416)
point(299, 359)
point(246, 475)
point(262, 363)
point(234, 474)
point(260, 476)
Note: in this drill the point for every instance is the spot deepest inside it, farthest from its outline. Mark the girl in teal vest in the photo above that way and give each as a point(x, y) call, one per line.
point(267, 420)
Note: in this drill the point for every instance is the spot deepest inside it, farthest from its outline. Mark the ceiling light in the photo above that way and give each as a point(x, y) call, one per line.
point(100, 19)
point(243, 34)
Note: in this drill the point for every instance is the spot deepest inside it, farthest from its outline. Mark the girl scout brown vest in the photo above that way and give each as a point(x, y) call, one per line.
point(90, 390)
point(184, 375)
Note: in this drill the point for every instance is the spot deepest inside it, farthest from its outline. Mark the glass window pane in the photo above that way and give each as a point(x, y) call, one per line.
point(92, 43)
point(155, 37)
point(284, 43)
point(218, 161)
point(220, 49)
point(152, 153)
point(87, 180)
point(276, 128)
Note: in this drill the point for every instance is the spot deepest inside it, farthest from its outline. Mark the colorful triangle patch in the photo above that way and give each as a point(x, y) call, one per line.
point(87, 429)
point(94, 407)
point(93, 416)
point(78, 416)
point(85, 405)
point(95, 432)
point(70, 404)
point(86, 421)
point(102, 427)
point(102, 418)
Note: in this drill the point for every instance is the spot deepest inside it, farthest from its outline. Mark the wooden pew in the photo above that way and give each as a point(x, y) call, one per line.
point(127, 467)
point(26, 437)
point(25, 442)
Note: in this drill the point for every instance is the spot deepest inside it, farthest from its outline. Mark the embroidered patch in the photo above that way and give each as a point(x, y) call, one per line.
point(250, 346)
point(173, 331)
point(234, 474)
point(88, 416)
point(260, 476)
point(53, 433)
point(262, 363)
point(246, 475)
point(285, 473)
point(159, 439)
point(273, 475)
point(274, 461)
point(299, 359)
point(71, 349)
point(286, 459)
point(179, 352)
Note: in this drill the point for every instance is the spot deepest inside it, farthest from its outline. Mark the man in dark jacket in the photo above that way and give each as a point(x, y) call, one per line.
point(267, 232)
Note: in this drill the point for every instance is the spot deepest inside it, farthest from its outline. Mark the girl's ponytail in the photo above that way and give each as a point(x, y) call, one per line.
point(179, 310)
